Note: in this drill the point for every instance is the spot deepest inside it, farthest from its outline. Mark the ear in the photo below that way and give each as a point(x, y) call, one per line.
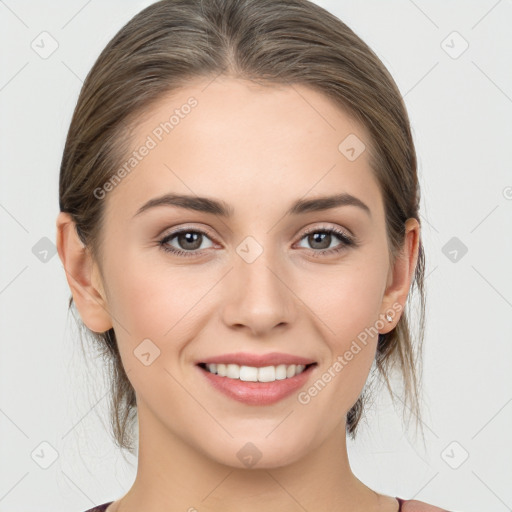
point(400, 276)
point(82, 275)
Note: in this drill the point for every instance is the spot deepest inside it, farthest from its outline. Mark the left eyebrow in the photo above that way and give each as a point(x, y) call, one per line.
point(326, 203)
point(221, 208)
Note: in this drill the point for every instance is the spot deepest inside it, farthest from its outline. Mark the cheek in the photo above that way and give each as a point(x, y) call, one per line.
point(346, 300)
point(150, 299)
point(152, 303)
point(346, 305)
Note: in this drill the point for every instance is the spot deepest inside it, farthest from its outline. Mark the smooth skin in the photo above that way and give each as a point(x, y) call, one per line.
point(258, 149)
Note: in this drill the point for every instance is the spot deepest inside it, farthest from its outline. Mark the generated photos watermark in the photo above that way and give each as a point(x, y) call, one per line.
point(151, 142)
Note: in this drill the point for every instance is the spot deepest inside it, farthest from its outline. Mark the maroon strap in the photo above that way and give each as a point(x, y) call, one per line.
point(100, 508)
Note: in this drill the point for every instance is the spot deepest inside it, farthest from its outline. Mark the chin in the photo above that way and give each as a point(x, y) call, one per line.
point(258, 451)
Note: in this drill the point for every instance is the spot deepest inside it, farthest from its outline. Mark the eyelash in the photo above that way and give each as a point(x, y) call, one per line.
point(347, 241)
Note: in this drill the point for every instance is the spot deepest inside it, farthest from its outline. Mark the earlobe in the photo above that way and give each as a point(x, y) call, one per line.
point(82, 276)
point(401, 275)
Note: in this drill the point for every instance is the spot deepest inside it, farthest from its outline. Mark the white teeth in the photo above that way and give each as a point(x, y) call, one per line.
point(232, 371)
point(253, 374)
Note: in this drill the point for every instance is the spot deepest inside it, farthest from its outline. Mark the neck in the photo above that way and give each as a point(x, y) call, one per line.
point(172, 475)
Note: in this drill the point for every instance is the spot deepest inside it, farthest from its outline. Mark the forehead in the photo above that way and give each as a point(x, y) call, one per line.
point(244, 141)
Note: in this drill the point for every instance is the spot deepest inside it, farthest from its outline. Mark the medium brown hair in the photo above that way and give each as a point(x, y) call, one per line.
point(285, 42)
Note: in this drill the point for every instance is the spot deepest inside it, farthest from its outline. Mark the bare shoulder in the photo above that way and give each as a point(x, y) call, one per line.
point(420, 506)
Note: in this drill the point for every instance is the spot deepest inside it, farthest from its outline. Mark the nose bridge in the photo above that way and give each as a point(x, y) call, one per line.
point(259, 298)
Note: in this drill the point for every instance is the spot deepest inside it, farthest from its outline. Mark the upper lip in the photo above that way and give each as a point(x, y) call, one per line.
point(257, 360)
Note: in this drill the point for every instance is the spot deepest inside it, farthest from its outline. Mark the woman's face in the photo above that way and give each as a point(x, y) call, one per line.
point(261, 280)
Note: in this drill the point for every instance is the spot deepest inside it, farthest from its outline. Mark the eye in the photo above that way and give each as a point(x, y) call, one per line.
point(321, 239)
point(189, 242)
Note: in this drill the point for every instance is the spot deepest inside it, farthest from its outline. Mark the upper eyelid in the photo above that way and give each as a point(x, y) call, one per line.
point(185, 229)
point(313, 229)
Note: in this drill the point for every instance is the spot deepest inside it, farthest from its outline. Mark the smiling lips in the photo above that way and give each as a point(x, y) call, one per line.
point(257, 379)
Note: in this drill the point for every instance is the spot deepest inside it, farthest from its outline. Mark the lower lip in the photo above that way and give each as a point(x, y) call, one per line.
point(257, 393)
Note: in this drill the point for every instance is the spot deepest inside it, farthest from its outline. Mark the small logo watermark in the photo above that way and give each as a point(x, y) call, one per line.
point(455, 455)
point(454, 45)
point(44, 45)
point(454, 249)
point(146, 352)
point(249, 455)
point(44, 455)
point(44, 249)
point(351, 147)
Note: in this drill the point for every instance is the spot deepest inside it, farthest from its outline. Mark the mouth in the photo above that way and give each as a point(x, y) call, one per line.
point(256, 385)
point(255, 373)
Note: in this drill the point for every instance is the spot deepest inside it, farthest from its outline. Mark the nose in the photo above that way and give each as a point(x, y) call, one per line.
point(258, 298)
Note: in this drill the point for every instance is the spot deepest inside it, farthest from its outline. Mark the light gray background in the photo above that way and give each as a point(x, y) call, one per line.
point(460, 110)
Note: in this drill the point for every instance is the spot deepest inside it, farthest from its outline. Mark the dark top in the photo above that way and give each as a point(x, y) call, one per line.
point(410, 506)
point(102, 508)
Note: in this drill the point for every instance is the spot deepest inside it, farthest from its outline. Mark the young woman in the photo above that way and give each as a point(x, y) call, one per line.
point(240, 231)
